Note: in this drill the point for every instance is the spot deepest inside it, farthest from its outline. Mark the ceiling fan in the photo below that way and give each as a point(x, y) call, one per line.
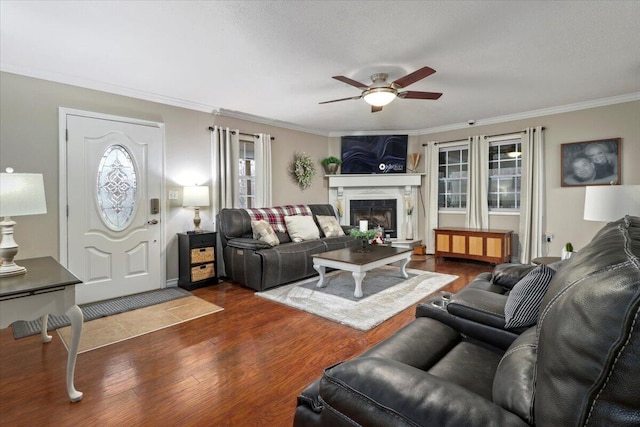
point(381, 93)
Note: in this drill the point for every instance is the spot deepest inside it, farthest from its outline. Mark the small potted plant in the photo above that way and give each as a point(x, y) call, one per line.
point(567, 251)
point(331, 164)
point(365, 236)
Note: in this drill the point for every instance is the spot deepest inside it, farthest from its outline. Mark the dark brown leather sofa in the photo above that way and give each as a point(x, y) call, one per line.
point(578, 366)
point(257, 265)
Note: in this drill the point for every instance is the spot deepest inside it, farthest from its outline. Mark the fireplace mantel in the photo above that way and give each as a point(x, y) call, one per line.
point(401, 187)
point(376, 180)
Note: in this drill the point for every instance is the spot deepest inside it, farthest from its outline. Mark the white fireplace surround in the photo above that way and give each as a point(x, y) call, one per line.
point(398, 187)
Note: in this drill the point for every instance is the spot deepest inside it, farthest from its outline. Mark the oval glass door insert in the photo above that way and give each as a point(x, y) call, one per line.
point(117, 188)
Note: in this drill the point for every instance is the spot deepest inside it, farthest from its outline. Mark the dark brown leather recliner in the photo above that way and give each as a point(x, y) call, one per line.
point(578, 366)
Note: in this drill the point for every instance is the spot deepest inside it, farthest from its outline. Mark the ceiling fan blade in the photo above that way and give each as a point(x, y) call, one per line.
point(351, 82)
point(419, 95)
point(341, 99)
point(414, 77)
point(375, 109)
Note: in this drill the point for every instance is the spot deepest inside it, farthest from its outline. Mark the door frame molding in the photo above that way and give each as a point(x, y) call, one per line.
point(63, 113)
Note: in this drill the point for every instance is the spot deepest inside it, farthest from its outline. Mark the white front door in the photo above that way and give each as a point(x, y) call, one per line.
point(114, 193)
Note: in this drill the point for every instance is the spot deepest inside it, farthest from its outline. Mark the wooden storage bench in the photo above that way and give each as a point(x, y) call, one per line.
point(492, 246)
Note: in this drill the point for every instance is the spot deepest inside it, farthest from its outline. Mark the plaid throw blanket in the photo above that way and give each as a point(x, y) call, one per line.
point(275, 216)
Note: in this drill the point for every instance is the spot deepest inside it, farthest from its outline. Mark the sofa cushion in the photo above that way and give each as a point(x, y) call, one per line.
point(589, 318)
point(262, 231)
point(514, 382)
point(507, 275)
point(330, 226)
point(275, 215)
point(301, 228)
point(523, 303)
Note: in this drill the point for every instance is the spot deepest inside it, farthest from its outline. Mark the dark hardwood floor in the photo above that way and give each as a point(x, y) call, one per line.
point(243, 366)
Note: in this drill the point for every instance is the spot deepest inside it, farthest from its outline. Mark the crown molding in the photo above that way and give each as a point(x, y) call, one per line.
point(620, 99)
point(106, 87)
point(266, 121)
point(176, 102)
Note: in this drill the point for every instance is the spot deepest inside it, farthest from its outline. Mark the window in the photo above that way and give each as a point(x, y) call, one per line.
point(247, 174)
point(452, 177)
point(505, 168)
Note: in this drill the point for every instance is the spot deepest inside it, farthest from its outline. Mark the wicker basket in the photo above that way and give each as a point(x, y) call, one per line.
point(199, 255)
point(201, 272)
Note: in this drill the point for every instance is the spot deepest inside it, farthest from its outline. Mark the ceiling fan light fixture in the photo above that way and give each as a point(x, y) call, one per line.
point(379, 97)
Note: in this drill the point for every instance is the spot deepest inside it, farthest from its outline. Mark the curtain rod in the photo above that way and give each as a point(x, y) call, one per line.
point(486, 136)
point(211, 129)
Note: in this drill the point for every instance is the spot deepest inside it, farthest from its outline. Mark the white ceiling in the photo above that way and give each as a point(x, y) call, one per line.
point(273, 61)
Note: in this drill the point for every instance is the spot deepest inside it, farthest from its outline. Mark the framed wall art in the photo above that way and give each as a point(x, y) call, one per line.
point(595, 162)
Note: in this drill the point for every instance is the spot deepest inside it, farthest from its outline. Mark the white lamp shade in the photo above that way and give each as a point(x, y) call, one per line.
point(22, 194)
point(195, 196)
point(611, 202)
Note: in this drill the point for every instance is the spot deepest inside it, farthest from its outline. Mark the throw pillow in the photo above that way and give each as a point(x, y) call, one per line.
point(262, 231)
point(523, 303)
point(330, 226)
point(301, 228)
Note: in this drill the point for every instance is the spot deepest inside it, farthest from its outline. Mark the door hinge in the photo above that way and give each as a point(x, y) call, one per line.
point(66, 135)
point(67, 211)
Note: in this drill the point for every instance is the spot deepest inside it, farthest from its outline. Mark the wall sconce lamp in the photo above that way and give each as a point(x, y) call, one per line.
point(611, 202)
point(20, 194)
point(196, 196)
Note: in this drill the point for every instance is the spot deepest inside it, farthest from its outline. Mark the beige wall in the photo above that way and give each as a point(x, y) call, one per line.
point(29, 143)
point(284, 146)
point(564, 205)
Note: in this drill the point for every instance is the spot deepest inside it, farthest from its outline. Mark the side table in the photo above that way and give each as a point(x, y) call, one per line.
point(46, 288)
point(197, 259)
point(545, 260)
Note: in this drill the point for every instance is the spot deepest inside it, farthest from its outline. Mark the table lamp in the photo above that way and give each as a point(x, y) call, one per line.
point(611, 202)
point(20, 194)
point(196, 196)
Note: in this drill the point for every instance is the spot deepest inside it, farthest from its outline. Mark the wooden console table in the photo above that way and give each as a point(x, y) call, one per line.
point(46, 288)
point(492, 246)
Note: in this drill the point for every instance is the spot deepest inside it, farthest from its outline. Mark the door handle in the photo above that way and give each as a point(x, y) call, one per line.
point(152, 221)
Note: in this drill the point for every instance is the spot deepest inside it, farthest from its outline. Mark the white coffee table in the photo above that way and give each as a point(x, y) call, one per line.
point(358, 263)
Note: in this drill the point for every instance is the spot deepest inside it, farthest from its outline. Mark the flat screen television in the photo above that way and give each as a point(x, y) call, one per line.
point(374, 154)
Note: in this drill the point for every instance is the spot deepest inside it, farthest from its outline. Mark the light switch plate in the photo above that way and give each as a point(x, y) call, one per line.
point(173, 195)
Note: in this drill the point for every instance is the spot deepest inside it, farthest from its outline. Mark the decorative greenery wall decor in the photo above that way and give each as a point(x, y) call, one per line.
point(303, 170)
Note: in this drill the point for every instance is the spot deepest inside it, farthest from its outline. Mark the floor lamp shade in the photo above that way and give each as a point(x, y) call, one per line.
point(611, 202)
point(196, 196)
point(20, 194)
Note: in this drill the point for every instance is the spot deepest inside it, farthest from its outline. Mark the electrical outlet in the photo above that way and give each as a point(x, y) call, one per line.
point(549, 237)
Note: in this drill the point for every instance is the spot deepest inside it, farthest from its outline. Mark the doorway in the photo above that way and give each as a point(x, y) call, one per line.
point(111, 194)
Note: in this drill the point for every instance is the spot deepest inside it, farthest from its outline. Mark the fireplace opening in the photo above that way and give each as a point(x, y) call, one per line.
point(381, 212)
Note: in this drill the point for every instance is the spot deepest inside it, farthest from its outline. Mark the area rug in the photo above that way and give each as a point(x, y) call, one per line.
point(380, 302)
point(99, 309)
point(119, 327)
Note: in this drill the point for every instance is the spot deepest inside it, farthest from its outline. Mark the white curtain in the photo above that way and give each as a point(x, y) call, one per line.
point(532, 227)
point(224, 167)
point(224, 176)
point(477, 184)
point(262, 150)
point(431, 156)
